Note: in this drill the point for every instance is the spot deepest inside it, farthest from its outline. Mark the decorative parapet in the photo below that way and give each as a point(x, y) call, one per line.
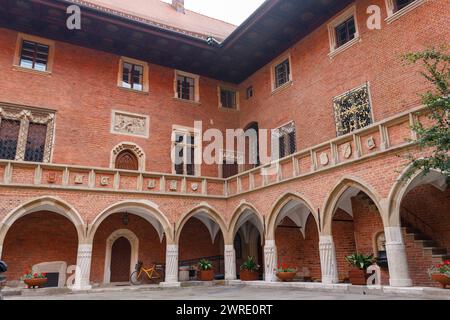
point(381, 137)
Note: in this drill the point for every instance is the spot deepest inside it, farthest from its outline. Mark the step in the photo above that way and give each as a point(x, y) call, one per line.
point(421, 236)
point(428, 243)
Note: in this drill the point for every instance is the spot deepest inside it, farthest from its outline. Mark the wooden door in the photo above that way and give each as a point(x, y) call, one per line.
point(127, 160)
point(120, 260)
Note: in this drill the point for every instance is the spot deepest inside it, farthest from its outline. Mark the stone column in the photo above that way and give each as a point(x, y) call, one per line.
point(230, 262)
point(83, 269)
point(1, 250)
point(328, 264)
point(171, 266)
point(270, 260)
point(396, 255)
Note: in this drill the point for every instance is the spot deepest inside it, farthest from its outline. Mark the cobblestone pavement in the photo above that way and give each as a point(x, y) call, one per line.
point(211, 293)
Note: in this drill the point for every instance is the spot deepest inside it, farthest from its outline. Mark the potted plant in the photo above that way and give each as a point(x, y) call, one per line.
point(249, 270)
point(441, 273)
point(34, 280)
point(205, 272)
point(360, 263)
point(285, 273)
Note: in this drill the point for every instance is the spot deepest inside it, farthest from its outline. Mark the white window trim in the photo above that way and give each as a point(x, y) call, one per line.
point(51, 53)
point(390, 7)
point(196, 84)
point(230, 154)
point(351, 11)
point(286, 56)
point(197, 145)
point(225, 87)
point(145, 76)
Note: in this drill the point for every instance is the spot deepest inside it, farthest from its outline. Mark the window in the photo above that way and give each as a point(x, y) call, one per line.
point(352, 110)
point(231, 163)
point(34, 53)
point(186, 86)
point(398, 8)
point(133, 75)
point(185, 146)
point(282, 73)
point(9, 136)
point(400, 4)
point(249, 92)
point(25, 135)
point(345, 32)
point(34, 56)
point(228, 98)
point(285, 139)
point(35, 147)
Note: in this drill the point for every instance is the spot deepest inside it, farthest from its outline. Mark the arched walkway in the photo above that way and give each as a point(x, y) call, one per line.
point(41, 235)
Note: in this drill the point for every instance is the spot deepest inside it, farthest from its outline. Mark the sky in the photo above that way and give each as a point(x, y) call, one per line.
point(232, 11)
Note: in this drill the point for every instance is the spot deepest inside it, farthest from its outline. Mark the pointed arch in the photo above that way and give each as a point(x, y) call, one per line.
point(130, 147)
point(244, 212)
point(344, 184)
point(46, 203)
point(142, 208)
point(203, 212)
point(280, 203)
point(403, 185)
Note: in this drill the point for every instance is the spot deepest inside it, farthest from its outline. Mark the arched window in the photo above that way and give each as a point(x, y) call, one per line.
point(127, 160)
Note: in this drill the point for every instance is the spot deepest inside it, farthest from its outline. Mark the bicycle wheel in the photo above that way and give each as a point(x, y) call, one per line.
point(134, 279)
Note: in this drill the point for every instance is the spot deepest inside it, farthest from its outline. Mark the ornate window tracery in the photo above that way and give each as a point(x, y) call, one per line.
point(25, 134)
point(352, 110)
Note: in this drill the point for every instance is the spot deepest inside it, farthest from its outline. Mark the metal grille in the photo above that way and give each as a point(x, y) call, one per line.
point(282, 73)
point(9, 134)
point(287, 140)
point(36, 142)
point(352, 110)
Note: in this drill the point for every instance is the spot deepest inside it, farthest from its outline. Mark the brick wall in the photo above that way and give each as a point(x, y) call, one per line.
point(296, 251)
point(36, 238)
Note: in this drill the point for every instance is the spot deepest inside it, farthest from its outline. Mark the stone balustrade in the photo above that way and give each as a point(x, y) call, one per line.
point(384, 136)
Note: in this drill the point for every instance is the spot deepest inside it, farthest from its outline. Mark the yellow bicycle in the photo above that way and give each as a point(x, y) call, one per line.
point(154, 273)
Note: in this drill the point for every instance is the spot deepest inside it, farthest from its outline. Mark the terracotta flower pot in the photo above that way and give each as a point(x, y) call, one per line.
point(286, 276)
point(247, 275)
point(442, 279)
point(357, 277)
point(35, 282)
point(205, 275)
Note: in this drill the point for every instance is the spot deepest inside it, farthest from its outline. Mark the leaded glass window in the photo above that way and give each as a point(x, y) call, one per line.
point(35, 147)
point(9, 136)
point(352, 110)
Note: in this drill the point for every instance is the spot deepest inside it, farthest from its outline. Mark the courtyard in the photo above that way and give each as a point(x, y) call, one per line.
point(235, 292)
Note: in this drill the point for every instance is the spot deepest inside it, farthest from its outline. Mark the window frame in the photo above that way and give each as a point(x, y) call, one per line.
point(219, 96)
point(185, 131)
point(276, 135)
point(42, 41)
point(26, 116)
point(179, 73)
point(145, 75)
point(273, 66)
point(332, 36)
point(393, 14)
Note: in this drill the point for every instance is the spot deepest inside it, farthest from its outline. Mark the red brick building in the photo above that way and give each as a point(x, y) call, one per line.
point(89, 119)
